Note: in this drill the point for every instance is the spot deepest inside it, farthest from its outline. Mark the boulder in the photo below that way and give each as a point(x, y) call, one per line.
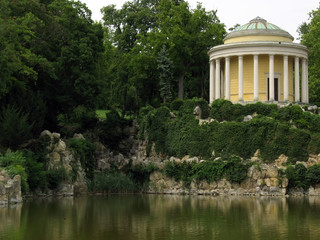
point(257, 153)
point(197, 112)
point(78, 136)
point(284, 182)
point(302, 163)
point(314, 190)
point(269, 171)
point(282, 159)
point(254, 173)
point(10, 189)
point(313, 159)
point(60, 146)
point(46, 133)
point(247, 118)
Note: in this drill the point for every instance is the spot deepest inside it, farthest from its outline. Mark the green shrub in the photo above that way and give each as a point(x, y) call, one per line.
point(37, 178)
point(79, 120)
point(156, 126)
point(205, 109)
point(297, 176)
point(185, 136)
point(313, 175)
point(140, 173)
point(15, 127)
point(176, 104)
point(314, 144)
point(187, 107)
point(112, 183)
point(84, 149)
point(222, 110)
point(261, 108)
point(235, 169)
point(56, 176)
point(14, 163)
point(111, 130)
point(210, 170)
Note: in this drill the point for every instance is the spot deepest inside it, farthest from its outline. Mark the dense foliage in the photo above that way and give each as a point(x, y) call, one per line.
point(301, 177)
point(310, 34)
point(287, 130)
point(84, 150)
point(50, 51)
point(233, 169)
point(158, 48)
point(133, 178)
point(31, 169)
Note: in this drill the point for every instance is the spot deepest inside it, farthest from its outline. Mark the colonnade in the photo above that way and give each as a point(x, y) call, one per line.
point(220, 81)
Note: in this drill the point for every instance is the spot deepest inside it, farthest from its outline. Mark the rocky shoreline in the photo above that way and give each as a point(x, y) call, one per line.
point(263, 179)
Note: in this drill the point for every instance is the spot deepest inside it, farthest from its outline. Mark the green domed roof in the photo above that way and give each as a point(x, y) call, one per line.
point(257, 23)
point(258, 27)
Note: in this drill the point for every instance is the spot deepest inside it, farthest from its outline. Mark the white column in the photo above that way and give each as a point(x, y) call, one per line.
point(240, 76)
point(296, 81)
point(285, 79)
point(227, 80)
point(271, 77)
point(255, 78)
point(304, 81)
point(211, 84)
point(307, 74)
point(222, 84)
point(217, 78)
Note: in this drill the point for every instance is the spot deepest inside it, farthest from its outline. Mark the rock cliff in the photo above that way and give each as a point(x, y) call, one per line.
point(10, 189)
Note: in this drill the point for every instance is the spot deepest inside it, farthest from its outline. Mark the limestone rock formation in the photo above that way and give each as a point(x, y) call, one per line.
point(10, 189)
point(59, 156)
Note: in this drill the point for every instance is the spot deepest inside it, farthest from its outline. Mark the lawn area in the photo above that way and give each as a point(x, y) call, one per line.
point(101, 113)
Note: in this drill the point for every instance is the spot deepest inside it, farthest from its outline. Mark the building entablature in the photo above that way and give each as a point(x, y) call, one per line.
point(258, 48)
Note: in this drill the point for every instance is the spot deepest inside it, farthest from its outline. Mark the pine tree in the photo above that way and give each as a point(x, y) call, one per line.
point(165, 74)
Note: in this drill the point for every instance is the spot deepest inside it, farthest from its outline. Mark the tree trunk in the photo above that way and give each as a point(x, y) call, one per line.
point(203, 88)
point(180, 91)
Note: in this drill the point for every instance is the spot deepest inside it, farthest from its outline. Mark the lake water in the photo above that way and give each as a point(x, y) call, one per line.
point(149, 217)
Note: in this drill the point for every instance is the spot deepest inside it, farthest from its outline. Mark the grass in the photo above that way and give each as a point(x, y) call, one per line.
point(101, 113)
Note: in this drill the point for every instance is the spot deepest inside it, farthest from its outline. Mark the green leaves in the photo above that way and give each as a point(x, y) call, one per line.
point(233, 169)
point(310, 34)
point(15, 127)
point(14, 163)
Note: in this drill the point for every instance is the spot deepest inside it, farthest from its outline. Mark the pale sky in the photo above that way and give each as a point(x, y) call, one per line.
point(287, 14)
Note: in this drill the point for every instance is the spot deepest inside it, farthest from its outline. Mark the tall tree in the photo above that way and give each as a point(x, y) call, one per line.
point(310, 37)
point(49, 56)
point(164, 67)
point(142, 28)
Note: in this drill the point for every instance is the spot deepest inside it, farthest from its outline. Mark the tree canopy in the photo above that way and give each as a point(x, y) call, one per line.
point(57, 63)
point(138, 32)
point(49, 53)
point(310, 35)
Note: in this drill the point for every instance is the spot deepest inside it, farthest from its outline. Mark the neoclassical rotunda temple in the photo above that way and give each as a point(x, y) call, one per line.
point(259, 62)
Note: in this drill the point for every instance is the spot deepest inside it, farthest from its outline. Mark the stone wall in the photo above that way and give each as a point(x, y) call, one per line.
point(262, 180)
point(10, 189)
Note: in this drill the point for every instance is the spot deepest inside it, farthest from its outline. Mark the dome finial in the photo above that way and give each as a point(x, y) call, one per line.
point(258, 19)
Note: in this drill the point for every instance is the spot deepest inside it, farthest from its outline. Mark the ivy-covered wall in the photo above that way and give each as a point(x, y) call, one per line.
point(176, 132)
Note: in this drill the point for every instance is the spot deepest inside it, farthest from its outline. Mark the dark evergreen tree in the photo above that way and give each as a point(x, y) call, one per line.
point(165, 74)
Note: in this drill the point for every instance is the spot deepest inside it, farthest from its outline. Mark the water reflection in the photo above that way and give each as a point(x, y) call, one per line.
point(163, 217)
